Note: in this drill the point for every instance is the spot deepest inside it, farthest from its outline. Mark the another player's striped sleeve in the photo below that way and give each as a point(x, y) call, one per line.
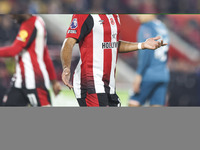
point(25, 37)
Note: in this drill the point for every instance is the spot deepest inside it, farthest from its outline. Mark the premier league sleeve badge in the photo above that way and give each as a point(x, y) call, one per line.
point(74, 24)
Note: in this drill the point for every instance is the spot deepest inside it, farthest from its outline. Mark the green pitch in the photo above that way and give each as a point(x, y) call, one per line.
point(67, 98)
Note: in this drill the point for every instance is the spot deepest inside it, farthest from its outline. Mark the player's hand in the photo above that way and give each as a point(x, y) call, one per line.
point(56, 87)
point(137, 83)
point(153, 43)
point(66, 77)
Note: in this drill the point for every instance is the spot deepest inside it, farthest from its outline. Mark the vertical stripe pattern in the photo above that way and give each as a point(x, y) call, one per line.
point(98, 54)
point(18, 76)
point(99, 51)
point(30, 68)
point(77, 80)
point(29, 72)
point(39, 48)
point(114, 52)
point(107, 54)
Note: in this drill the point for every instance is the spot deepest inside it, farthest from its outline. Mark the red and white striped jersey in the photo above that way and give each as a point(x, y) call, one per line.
point(98, 37)
point(34, 68)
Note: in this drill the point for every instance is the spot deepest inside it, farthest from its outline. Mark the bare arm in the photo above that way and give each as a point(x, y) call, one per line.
point(125, 47)
point(150, 43)
point(66, 56)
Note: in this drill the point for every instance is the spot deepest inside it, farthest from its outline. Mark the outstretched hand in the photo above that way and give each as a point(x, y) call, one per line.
point(66, 78)
point(153, 43)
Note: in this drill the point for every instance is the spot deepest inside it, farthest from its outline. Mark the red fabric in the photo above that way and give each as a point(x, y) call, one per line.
point(38, 73)
point(80, 20)
point(47, 59)
point(49, 65)
point(43, 97)
point(11, 51)
point(86, 49)
point(26, 39)
point(92, 100)
point(107, 52)
point(117, 19)
point(118, 35)
point(129, 28)
point(21, 64)
point(27, 27)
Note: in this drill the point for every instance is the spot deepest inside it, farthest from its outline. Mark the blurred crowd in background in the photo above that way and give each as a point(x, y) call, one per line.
point(188, 27)
point(185, 75)
point(99, 6)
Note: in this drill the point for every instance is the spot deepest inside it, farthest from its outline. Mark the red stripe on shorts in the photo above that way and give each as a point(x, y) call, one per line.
point(92, 100)
point(43, 97)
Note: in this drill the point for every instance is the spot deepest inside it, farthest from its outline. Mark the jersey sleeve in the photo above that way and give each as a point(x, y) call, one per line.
point(81, 25)
point(25, 37)
point(144, 56)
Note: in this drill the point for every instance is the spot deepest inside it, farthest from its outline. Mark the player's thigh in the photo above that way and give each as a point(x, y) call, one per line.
point(38, 97)
point(145, 92)
point(159, 95)
point(15, 97)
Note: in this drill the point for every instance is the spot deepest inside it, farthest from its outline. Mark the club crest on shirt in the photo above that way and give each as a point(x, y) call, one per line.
point(22, 36)
point(74, 24)
point(112, 21)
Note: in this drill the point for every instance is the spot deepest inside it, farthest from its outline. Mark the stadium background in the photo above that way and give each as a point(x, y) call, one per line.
point(184, 56)
point(99, 6)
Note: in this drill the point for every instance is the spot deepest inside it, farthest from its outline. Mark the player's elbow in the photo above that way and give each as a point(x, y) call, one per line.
point(15, 50)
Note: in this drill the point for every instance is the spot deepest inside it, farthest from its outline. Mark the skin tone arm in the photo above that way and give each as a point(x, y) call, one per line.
point(150, 43)
point(66, 56)
point(124, 47)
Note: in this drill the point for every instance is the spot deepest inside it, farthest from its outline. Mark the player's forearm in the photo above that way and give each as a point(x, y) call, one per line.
point(151, 43)
point(125, 47)
point(66, 52)
point(10, 51)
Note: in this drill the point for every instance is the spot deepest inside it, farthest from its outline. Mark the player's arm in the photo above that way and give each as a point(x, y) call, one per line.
point(150, 43)
point(11, 51)
point(81, 25)
point(51, 71)
point(66, 56)
point(23, 40)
